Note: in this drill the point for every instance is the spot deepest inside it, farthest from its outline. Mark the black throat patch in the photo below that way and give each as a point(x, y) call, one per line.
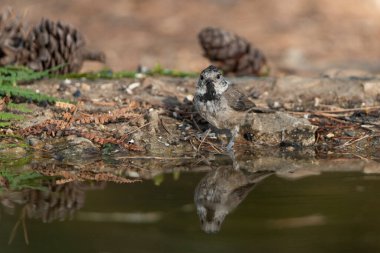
point(210, 94)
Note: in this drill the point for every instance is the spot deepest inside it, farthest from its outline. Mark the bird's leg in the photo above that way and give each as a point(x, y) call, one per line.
point(234, 132)
point(235, 164)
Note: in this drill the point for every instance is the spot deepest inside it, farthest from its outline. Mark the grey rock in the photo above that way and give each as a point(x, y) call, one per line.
point(76, 150)
point(279, 128)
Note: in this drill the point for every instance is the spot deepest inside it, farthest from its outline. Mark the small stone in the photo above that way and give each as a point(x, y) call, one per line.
point(9, 131)
point(140, 75)
point(48, 147)
point(133, 174)
point(255, 94)
point(77, 93)
point(85, 87)
point(371, 88)
point(141, 69)
point(330, 135)
point(350, 133)
point(106, 86)
point(317, 101)
point(290, 149)
point(67, 81)
point(212, 136)
point(131, 87)
point(275, 105)
point(189, 98)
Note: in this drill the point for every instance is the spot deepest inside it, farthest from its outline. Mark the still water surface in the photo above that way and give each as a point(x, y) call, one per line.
point(331, 212)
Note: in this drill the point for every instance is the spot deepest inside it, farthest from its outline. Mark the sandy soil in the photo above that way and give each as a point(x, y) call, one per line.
point(300, 36)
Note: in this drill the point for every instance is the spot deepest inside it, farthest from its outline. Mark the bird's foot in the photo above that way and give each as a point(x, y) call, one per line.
point(230, 145)
point(231, 154)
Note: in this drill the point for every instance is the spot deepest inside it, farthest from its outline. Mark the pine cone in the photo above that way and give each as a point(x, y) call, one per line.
point(232, 53)
point(51, 44)
point(48, 45)
point(12, 38)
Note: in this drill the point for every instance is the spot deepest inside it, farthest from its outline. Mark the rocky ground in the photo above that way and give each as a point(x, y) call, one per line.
point(128, 130)
point(136, 120)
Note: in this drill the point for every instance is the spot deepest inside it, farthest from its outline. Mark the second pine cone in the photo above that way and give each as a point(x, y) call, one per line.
point(232, 53)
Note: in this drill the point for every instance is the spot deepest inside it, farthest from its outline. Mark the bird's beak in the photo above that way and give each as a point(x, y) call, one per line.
point(209, 82)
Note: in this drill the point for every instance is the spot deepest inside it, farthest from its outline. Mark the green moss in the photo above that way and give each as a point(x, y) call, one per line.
point(6, 116)
point(158, 70)
point(18, 180)
point(103, 74)
point(25, 94)
point(11, 75)
point(109, 74)
point(4, 124)
point(19, 107)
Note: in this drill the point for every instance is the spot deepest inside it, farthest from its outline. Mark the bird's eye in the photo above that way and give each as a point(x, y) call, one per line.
point(202, 77)
point(218, 76)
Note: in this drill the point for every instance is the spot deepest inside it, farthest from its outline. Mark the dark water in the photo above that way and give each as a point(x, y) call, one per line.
point(331, 212)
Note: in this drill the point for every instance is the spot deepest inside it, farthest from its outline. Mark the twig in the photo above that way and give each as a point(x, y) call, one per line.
point(369, 108)
point(356, 155)
point(13, 233)
point(203, 139)
point(217, 149)
point(137, 129)
point(14, 230)
point(163, 125)
point(195, 123)
point(26, 237)
point(326, 115)
point(154, 157)
point(352, 142)
point(192, 144)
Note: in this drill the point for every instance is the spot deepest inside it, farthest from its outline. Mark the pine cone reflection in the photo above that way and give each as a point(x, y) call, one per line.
point(56, 202)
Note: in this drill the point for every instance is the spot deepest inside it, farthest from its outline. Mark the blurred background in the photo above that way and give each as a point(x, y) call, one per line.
point(297, 36)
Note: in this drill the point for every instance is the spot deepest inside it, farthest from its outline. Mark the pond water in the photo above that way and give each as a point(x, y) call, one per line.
point(249, 212)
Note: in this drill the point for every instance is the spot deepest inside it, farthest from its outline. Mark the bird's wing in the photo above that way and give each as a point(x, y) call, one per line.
point(237, 100)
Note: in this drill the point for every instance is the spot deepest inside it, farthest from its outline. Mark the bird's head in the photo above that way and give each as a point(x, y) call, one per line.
point(211, 218)
point(211, 83)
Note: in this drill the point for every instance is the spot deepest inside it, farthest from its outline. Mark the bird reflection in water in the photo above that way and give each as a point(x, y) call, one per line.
point(221, 191)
